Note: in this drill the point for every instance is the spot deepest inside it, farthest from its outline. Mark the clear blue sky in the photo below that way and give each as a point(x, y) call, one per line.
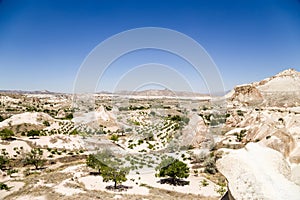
point(44, 42)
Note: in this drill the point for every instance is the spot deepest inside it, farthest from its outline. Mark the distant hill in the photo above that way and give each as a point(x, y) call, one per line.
point(165, 92)
point(28, 92)
point(285, 81)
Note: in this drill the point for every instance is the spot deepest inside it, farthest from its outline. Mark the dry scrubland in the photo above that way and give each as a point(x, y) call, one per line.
point(50, 151)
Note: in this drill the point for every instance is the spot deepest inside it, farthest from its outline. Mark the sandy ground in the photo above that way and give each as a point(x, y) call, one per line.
point(67, 191)
point(138, 182)
point(134, 180)
point(15, 187)
point(96, 183)
point(59, 141)
point(15, 144)
point(27, 197)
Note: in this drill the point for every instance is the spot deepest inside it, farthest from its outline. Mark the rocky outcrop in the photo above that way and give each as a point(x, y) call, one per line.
point(32, 118)
point(195, 133)
point(282, 89)
point(258, 172)
point(247, 94)
point(280, 141)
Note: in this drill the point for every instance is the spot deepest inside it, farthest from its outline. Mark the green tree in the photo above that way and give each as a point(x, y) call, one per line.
point(3, 186)
point(117, 175)
point(94, 162)
point(35, 158)
point(6, 134)
point(108, 168)
point(33, 133)
point(173, 168)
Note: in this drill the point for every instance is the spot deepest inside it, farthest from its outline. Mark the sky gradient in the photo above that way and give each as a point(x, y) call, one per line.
point(44, 42)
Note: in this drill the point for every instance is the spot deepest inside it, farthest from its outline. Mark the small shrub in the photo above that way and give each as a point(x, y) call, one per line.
point(210, 165)
point(69, 116)
point(140, 142)
point(221, 191)
point(74, 132)
point(46, 123)
point(4, 161)
point(3, 186)
point(114, 138)
point(11, 171)
point(240, 113)
point(33, 133)
point(150, 146)
point(204, 183)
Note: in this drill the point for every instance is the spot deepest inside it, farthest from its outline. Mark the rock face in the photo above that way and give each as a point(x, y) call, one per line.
point(196, 131)
point(101, 114)
point(247, 94)
point(258, 172)
point(282, 89)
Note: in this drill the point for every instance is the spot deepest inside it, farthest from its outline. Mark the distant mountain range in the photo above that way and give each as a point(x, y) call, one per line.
point(287, 80)
point(165, 92)
point(28, 92)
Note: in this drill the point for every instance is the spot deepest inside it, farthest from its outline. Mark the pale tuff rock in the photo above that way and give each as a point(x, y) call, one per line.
point(294, 157)
point(277, 130)
point(195, 132)
point(282, 89)
point(257, 172)
point(247, 94)
point(295, 177)
point(100, 114)
point(281, 141)
point(288, 80)
point(36, 118)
